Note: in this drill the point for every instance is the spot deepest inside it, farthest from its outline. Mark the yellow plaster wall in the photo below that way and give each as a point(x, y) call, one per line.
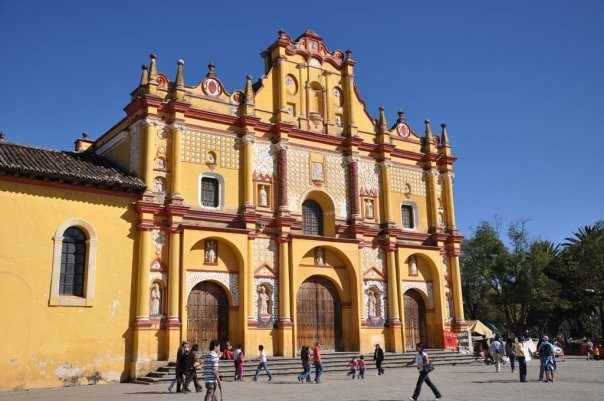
point(42, 345)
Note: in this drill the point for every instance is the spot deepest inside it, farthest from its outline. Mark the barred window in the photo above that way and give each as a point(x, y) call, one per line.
point(209, 192)
point(407, 212)
point(73, 262)
point(312, 218)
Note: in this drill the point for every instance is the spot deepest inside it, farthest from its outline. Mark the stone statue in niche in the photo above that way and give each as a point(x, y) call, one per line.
point(319, 257)
point(262, 301)
point(211, 158)
point(262, 197)
point(317, 171)
point(155, 300)
point(160, 164)
point(412, 266)
point(339, 121)
point(448, 307)
point(210, 251)
point(368, 209)
point(371, 304)
point(159, 186)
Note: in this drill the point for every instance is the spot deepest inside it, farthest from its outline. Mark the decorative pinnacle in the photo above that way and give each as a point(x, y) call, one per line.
point(383, 125)
point(152, 67)
point(180, 79)
point(401, 116)
point(281, 32)
point(248, 92)
point(144, 76)
point(428, 130)
point(444, 136)
point(84, 135)
point(2, 136)
point(348, 54)
point(211, 69)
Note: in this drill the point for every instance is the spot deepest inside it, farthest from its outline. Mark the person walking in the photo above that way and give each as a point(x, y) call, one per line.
point(484, 346)
point(263, 364)
point(237, 362)
point(521, 358)
point(496, 351)
point(353, 367)
point(361, 364)
point(211, 375)
point(316, 356)
point(378, 357)
point(422, 361)
point(181, 356)
point(305, 357)
point(193, 362)
point(589, 347)
point(510, 351)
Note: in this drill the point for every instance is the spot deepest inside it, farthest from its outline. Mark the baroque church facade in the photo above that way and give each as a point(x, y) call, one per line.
point(281, 214)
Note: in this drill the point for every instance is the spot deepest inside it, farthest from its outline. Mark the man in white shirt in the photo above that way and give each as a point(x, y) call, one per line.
point(262, 364)
point(210, 371)
point(496, 350)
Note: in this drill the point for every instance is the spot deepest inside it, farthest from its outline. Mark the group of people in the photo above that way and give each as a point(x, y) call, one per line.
point(517, 351)
point(188, 360)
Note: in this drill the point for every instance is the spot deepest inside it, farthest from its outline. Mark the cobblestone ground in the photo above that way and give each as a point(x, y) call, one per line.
point(576, 379)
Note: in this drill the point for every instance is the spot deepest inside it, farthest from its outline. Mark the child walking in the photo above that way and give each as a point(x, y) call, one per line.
point(353, 367)
point(361, 365)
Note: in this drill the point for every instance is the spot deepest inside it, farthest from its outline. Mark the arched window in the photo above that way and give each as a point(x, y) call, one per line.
point(312, 218)
point(408, 216)
point(73, 262)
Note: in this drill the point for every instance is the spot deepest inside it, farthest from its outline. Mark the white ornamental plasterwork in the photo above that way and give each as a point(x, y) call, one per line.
point(265, 161)
point(159, 240)
point(369, 177)
point(157, 276)
point(337, 182)
point(423, 286)
point(274, 296)
point(373, 257)
point(229, 280)
point(265, 252)
point(196, 145)
point(134, 148)
point(414, 178)
point(299, 183)
point(383, 288)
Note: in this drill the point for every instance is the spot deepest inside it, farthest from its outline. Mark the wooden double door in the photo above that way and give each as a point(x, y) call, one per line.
point(415, 319)
point(319, 314)
point(207, 315)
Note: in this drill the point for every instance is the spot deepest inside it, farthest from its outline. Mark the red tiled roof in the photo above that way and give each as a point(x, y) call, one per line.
point(85, 168)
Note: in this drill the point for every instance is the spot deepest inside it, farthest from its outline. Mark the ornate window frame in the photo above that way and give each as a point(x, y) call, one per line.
point(415, 216)
point(220, 180)
point(89, 269)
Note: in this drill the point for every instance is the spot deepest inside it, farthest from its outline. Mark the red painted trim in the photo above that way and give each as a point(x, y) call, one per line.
point(56, 185)
point(142, 324)
point(146, 225)
point(215, 229)
point(422, 247)
point(206, 215)
point(146, 207)
point(173, 324)
point(325, 239)
point(285, 324)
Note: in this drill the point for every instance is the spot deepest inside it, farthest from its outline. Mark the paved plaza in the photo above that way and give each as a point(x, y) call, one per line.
point(576, 379)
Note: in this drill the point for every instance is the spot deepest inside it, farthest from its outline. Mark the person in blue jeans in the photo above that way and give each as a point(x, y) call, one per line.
point(262, 364)
point(305, 356)
point(316, 356)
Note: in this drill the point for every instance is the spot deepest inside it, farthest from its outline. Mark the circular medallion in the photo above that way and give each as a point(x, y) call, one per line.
point(211, 87)
point(403, 130)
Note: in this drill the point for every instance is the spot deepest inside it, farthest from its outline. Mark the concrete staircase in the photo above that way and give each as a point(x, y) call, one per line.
point(332, 362)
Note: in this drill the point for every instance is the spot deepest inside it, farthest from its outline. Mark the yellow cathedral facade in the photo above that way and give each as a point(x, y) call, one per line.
point(281, 214)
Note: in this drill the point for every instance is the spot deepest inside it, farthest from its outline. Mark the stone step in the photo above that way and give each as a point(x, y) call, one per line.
point(332, 362)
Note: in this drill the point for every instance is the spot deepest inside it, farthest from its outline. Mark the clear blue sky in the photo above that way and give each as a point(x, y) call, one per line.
point(519, 83)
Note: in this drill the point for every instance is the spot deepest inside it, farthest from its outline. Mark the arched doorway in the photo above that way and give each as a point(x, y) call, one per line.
point(319, 314)
point(207, 315)
point(415, 319)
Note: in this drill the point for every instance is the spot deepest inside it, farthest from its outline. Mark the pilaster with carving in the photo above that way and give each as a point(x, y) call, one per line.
point(282, 172)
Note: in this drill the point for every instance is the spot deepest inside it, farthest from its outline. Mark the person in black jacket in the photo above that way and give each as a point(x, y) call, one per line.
point(378, 357)
point(181, 357)
point(191, 368)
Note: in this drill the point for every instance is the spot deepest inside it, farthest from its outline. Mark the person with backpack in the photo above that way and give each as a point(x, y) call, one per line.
point(424, 366)
point(305, 357)
point(548, 362)
point(510, 351)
